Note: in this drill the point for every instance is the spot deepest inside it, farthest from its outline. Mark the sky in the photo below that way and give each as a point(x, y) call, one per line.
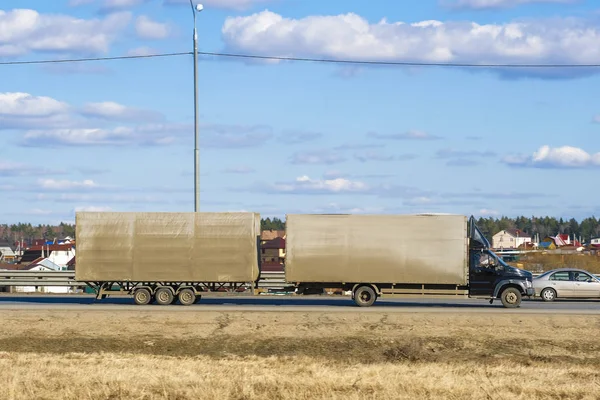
point(281, 137)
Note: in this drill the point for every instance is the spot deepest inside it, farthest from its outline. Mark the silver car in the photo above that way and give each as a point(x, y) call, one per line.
point(566, 283)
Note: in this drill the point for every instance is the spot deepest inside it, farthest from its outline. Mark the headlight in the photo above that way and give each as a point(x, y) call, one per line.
point(528, 284)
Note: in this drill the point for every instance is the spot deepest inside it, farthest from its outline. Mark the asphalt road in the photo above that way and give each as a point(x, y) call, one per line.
point(294, 304)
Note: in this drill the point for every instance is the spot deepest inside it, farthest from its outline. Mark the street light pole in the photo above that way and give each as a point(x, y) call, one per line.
point(198, 8)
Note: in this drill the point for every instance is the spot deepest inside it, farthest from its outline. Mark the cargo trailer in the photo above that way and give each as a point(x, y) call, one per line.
point(165, 257)
point(375, 256)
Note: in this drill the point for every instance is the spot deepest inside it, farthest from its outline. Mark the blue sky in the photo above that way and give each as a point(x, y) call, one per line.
point(288, 137)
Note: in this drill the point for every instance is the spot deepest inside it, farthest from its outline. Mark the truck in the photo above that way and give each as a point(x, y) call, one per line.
point(167, 257)
point(372, 256)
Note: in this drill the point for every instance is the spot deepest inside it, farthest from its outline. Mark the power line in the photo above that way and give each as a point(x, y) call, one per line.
point(306, 59)
point(72, 60)
point(400, 63)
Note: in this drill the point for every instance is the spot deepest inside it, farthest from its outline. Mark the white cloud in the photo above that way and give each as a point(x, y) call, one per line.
point(372, 156)
point(410, 135)
point(9, 168)
point(23, 31)
point(157, 134)
point(39, 211)
point(238, 5)
point(24, 104)
point(490, 4)
point(306, 185)
point(77, 3)
point(297, 137)
point(242, 169)
point(114, 5)
point(23, 110)
point(488, 212)
point(92, 209)
point(53, 184)
point(142, 51)
point(344, 209)
point(109, 5)
point(350, 36)
point(454, 153)
point(148, 29)
point(559, 157)
point(235, 136)
point(317, 157)
point(117, 112)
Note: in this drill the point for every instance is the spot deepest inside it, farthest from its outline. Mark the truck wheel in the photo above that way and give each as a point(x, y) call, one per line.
point(548, 294)
point(511, 297)
point(186, 297)
point(364, 296)
point(142, 296)
point(164, 296)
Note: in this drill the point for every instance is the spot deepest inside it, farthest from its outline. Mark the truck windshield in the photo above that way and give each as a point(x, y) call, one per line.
point(498, 260)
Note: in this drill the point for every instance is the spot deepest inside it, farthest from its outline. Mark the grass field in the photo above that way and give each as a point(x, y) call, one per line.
point(297, 355)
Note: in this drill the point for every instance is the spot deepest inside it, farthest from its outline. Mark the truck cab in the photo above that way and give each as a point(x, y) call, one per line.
point(491, 277)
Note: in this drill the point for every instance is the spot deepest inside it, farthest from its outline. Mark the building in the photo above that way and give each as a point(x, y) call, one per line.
point(59, 254)
point(272, 255)
point(510, 239)
point(595, 242)
point(265, 236)
point(7, 253)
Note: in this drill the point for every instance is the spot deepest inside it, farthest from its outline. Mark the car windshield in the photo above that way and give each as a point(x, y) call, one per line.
point(544, 274)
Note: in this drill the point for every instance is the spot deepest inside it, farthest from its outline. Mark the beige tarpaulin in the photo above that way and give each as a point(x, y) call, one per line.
point(174, 247)
point(426, 249)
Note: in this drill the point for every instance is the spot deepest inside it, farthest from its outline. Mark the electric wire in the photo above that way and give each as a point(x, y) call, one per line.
point(303, 59)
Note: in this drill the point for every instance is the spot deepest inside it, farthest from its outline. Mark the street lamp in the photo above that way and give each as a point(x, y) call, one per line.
point(198, 8)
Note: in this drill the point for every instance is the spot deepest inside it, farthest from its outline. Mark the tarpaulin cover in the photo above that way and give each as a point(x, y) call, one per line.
point(424, 249)
point(173, 247)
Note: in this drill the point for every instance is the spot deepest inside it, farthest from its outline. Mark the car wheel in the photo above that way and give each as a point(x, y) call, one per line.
point(548, 294)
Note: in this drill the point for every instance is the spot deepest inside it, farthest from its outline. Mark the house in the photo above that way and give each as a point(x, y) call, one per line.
point(271, 234)
point(272, 255)
point(7, 253)
point(59, 254)
point(510, 239)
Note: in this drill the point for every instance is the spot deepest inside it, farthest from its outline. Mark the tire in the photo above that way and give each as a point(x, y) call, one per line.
point(364, 296)
point(548, 294)
point(186, 297)
point(142, 297)
point(511, 297)
point(164, 296)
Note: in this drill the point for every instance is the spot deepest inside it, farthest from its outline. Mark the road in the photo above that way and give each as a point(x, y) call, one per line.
point(294, 304)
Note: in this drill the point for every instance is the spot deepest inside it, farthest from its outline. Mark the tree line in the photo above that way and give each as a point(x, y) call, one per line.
point(28, 232)
point(585, 229)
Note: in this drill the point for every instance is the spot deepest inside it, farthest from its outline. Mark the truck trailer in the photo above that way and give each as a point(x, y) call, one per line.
point(399, 255)
point(165, 257)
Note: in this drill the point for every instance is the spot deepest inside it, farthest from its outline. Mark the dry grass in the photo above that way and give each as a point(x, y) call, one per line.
point(253, 355)
point(544, 262)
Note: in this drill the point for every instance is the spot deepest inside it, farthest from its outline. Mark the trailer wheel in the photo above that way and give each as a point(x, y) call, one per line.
point(142, 297)
point(364, 296)
point(164, 296)
point(186, 297)
point(511, 297)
